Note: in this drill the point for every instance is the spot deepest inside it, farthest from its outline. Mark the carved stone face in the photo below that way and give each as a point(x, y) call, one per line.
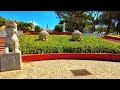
point(10, 31)
point(43, 35)
point(76, 35)
point(10, 24)
point(11, 27)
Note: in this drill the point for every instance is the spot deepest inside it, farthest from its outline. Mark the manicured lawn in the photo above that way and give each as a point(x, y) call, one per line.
point(62, 43)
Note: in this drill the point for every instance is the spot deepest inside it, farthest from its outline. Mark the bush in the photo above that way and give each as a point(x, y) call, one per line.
point(62, 43)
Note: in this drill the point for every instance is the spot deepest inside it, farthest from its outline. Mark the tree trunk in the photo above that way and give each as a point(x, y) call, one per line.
point(118, 28)
point(93, 28)
point(108, 29)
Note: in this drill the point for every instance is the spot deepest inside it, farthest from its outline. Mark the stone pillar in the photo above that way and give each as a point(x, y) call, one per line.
point(10, 61)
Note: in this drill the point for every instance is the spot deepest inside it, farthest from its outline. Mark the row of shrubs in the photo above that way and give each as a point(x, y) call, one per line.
point(30, 44)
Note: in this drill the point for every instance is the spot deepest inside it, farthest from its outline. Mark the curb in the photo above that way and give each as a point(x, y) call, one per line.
point(82, 56)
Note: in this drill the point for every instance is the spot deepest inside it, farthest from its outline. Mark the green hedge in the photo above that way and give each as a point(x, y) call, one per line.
point(62, 43)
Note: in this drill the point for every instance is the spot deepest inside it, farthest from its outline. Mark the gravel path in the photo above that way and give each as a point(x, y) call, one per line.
point(60, 69)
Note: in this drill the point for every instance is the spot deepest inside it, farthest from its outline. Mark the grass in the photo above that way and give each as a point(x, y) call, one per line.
point(62, 43)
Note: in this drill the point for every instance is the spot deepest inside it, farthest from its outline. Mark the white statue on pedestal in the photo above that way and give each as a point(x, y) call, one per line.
point(33, 25)
point(64, 27)
point(11, 42)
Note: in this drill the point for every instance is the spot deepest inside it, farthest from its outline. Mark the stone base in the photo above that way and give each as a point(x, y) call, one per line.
point(10, 61)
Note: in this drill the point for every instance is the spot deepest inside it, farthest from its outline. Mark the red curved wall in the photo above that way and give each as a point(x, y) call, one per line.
point(82, 56)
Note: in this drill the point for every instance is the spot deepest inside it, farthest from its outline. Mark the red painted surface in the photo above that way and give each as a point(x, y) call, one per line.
point(82, 56)
point(112, 37)
point(51, 33)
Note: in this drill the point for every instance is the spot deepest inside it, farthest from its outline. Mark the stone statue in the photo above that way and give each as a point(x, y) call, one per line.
point(11, 42)
point(33, 26)
point(43, 35)
point(64, 27)
point(76, 35)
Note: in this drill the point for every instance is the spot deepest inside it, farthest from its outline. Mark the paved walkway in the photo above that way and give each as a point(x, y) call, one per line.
point(60, 69)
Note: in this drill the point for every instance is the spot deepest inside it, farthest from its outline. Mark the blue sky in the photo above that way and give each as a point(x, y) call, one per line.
point(41, 18)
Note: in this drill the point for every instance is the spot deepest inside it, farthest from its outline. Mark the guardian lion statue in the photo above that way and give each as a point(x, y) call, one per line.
point(76, 35)
point(11, 42)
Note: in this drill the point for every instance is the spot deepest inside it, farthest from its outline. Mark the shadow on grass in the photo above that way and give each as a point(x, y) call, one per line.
point(74, 40)
point(71, 39)
point(37, 39)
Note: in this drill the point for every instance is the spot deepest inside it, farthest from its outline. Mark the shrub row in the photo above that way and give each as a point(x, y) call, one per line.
point(30, 44)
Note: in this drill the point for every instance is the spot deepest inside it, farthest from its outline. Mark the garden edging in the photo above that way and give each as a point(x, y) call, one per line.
point(82, 56)
point(111, 37)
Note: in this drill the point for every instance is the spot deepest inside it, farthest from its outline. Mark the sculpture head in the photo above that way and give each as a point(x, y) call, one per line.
point(43, 35)
point(76, 35)
point(10, 24)
point(11, 27)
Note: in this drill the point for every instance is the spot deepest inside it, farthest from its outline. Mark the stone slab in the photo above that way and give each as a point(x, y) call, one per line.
point(10, 61)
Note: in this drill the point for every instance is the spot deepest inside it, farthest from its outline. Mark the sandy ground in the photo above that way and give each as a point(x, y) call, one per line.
point(60, 69)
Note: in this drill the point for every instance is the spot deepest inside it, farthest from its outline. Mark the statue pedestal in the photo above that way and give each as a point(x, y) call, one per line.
point(10, 61)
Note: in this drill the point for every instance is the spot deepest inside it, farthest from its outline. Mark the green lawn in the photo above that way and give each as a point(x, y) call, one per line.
point(63, 43)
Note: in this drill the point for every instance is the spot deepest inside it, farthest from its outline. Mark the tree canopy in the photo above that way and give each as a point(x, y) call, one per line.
point(21, 25)
point(91, 19)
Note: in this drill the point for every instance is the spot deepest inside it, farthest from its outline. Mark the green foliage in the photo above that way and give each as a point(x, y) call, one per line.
point(29, 28)
point(21, 25)
point(62, 43)
point(2, 21)
point(78, 19)
point(58, 28)
point(37, 28)
point(101, 29)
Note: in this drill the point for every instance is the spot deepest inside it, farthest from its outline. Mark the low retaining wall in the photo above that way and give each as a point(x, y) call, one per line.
point(112, 37)
point(82, 56)
point(51, 33)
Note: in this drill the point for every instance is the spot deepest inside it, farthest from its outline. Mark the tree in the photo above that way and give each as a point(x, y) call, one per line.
point(106, 18)
point(94, 17)
point(37, 28)
point(77, 19)
point(116, 19)
point(74, 19)
point(58, 28)
point(29, 28)
point(2, 21)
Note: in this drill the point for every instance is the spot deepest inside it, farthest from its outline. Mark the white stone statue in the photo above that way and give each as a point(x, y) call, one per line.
point(76, 35)
point(43, 35)
point(64, 27)
point(33, 25)
point(11, 42)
